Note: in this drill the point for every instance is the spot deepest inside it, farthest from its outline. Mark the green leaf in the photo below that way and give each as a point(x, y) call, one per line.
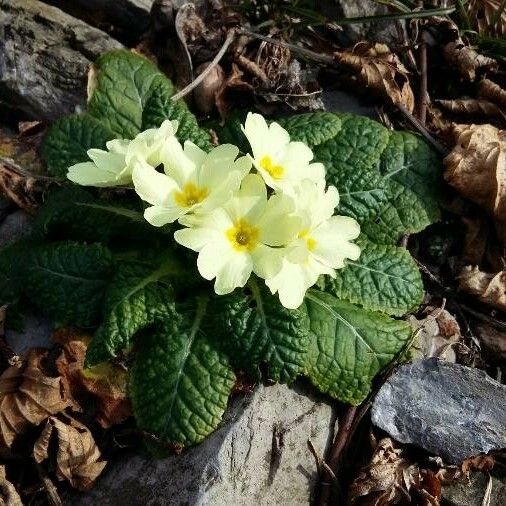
point(179, 383)
point(312, 128)
point(68, 140)
point(74, 213)
point(121, 85)
point(350, 346)
point(403, 213)
point(230, 132)
point(384, 278)
point(12, 261)
point(159, 107)
point(68, 280)
point(256, 329)
point(138, 297)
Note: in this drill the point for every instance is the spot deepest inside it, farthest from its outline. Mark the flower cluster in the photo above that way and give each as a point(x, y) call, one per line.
point(276, 220)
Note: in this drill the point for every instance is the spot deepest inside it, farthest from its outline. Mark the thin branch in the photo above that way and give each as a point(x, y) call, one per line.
point(219, 55)
point(423, 97)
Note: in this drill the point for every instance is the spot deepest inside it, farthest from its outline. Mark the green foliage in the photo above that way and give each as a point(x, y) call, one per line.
point(313, 128)
point(68, 140)
point(68, 280)
point(179, 383)
point(385, 278)
point(256, 329)
point(349, 346)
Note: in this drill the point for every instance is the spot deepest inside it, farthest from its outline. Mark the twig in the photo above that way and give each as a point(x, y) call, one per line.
point(340, 442)
point(423, 97)
point(322, 58)
point(219, 55)
point(422, 130)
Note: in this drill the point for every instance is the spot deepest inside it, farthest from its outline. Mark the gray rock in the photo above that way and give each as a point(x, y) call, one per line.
point(472, 493)
point(340, 101)
point(14, 227)
point(258, 457)
point(449, 410)
point(44, 58)
point(35, 333)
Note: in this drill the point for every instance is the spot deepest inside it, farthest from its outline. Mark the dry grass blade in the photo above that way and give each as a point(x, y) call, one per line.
point(483, 15)
point(471, 107)
point(380, 71)
point(492, 91)
point(75, 452)
point(8, 494)
point(466, 59)
point(476, 167)
point(28, 396)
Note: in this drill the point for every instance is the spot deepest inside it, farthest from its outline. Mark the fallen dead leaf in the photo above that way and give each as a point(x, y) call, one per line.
point(491, 91)
point(107, 383)
point(390, 477)
point(205, 93)
point(489, 288)
point(481, 14)
point(8, 493)
point(451, 474)
point(476, 167)
point(471, 107)
point(28, 396)
point(19, 188)
point(475, 240)
point(466, 59)
point(438, 332)
point(380, 71)
point(71, 446)
point(234, 82)
point(493, 342)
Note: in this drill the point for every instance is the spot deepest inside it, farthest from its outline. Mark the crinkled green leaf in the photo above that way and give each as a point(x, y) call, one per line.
point(230, 131)
point(257, 329)
point(403, 213)
point(313, 128)
point(159, 107)
point(74, 213)
point(68, 280)
point(385, 278)
point(179, 382)
point(121, 85)
point(138, 296)
point(350, 346)
point(68, 140)
point(12, 261)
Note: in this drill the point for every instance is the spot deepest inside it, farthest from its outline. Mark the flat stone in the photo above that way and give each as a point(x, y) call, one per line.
point(258, 457)
point(449, 410)
point(472, 492)
point(340, 101)
point(14, 227)
point(44, 58)
point(35, 333)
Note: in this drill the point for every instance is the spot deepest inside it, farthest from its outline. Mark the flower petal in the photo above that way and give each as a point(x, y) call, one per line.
point(159, 216)
point(88, 174)
point(196, 238)
point(250, 200)
point(176, 163)
point(277, 225)
point(290, 283)
point(152, 186)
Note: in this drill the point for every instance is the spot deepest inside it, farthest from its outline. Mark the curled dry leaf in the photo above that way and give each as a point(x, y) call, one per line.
point(482, 14)
point(466, 59)
point(8, 493)
point(471, 107)
point(475, 240)
point(234, 82)
point(489, 288)
point(28, 396)
point(390, 477)
point(70, 445)
point(205, 93)
point(476, 167)
point(380, 71)
point(451, 474)
point(437, 333)
point(23, 190)
point(492, 91)
point(107, 383)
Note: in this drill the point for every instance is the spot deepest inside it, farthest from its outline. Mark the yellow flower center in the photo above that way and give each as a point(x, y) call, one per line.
point(243, 236)
point(190, 195)
point(310, 242)
point(276, 171)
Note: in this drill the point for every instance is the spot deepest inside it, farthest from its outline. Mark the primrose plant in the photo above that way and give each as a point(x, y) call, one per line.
point(295, 220)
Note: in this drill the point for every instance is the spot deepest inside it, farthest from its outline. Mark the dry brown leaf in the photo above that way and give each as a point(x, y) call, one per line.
point(387, 479)
point(438, 332)
point(466, 59)
point(476, 167)
point(451, 474)
point(493, 342)
point(380, 71)
point(19, 188)
point(471, 107)
point(28, 396)
point(234, 82)
point(106, 382)
point(492, 91)
point(475, 240)
point(76, 455)
point(8, 493)
point(482, 13)
point(489, 288)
